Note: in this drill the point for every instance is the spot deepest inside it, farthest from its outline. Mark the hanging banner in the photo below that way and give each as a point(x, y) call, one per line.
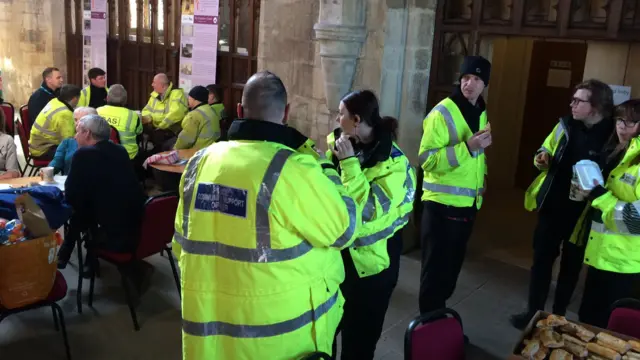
point(94, 37)
point(198, 43)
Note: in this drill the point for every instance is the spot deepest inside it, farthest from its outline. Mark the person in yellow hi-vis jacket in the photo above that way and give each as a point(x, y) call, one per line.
point(95, 95)
point(581, 136)
point(201, 126)
point(612, 253)
point(377, 172)
point(455, 134)
point(258, 233)
point(163, 114)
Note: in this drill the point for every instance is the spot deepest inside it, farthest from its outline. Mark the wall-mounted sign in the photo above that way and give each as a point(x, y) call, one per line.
point(620, 93)
point(94, 37)
point(558, 64)
point(198, 43)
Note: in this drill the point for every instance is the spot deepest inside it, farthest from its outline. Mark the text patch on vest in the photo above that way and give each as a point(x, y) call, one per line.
point(222, 199)
point(628, 179)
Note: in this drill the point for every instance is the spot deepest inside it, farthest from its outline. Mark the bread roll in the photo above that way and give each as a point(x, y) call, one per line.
point(605, 352)
point(531, 349)
point(551, 339)
point(582, 332)
point(559, 354)
point(556, 320)
point(632, 355)
point(613, 342)
point(635, 345)
point(541, 354)
point(577, 350)
point(568, 338)
point(542, 324)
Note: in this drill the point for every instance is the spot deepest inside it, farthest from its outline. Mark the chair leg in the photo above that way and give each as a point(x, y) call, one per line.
point(63, 327)
point(80, 275)
point(92, 282)
point(127, 294)
point(175, 272)
point(55, 318)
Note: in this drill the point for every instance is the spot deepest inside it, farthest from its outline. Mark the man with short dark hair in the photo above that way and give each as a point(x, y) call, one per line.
point(49, 89)
point(216, 101)
point(54, 123)
point(95, 95)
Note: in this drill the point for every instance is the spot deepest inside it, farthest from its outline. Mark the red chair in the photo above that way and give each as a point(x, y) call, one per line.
point(24, 118)
point(35, 164)
point(9, 117)
point(58, 292)
point(156, 233)
point(434, 336)
point(625, 317)
point(115, 136)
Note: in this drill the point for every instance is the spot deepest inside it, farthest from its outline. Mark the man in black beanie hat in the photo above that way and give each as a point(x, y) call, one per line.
point(456, 132)
point(201, 126)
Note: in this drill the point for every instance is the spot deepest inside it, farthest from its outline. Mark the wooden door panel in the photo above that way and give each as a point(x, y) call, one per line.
point(556, 68)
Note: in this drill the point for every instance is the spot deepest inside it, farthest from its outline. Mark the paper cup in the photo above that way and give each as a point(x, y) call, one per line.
point(47, 174)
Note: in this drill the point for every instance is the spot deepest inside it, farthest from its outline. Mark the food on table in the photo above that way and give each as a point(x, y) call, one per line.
point(631, 355)
point(613, 342)
point(559, 354)
point(603, 351)
point(635, 345)
point(531, 349)
point(551, 339)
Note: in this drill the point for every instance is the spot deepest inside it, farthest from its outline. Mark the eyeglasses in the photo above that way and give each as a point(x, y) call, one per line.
point(576, 101)
point(627, 123)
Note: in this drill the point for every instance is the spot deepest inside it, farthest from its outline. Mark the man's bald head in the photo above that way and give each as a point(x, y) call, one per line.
point(265, 98)
point(160, 83)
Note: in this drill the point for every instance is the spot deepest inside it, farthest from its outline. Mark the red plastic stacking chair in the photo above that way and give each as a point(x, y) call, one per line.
point(437, 335)
point(156, 233)
point(24, 118)
point(35, 164)
point(9, 117)
point(115, 136)
point(625, 317)
point(58, 292)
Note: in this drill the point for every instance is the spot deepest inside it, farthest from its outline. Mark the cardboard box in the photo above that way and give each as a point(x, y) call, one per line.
point(515, 353)
point(28, 269)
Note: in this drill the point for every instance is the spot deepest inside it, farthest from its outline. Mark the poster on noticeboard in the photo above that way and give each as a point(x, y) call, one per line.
point(198, 43)
point(95, 25)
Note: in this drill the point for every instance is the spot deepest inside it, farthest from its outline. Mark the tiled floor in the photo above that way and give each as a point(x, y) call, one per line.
point(492, 286)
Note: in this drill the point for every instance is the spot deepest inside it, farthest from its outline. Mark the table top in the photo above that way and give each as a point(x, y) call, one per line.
point(28, 181)
point(184, 154)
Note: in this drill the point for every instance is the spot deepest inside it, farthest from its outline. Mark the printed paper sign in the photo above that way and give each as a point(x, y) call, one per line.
point(95, 25)
point(620, 93)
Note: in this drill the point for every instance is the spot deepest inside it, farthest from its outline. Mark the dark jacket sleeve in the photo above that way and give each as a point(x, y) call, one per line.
point(77, 187)
point(36, 103)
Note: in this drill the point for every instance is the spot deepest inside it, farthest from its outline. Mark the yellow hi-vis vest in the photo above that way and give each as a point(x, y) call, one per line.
point(85, 96)
point(259, 257)
point(389, 188)
point(553, 145)
point(200, 128)
point(167, 111)
point(126, 122)
point(615, 235)
point(452, 175)
point(54, 124)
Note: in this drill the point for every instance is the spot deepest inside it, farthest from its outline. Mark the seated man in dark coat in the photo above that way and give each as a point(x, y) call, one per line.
point(103, 190)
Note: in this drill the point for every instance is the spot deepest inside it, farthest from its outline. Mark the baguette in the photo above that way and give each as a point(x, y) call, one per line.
point(551, 339)
point(632, 355)
point(635, 345)
point(543, 324)
point(577, 350)
point(542, 353)
point(583, 333)
point(556, 320)
point(559, 354)
point(568, 338)
point(531, 349)
point(604, 352)
point(613, 342)
point(595, 357)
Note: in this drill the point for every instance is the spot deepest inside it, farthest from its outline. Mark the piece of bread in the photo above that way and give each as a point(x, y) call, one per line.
point(541, 354)
point(575, 349)
point(631, 355)
point(580, 331)
point(556, 320)
point(613, 342)
point(551, 339)
point(559, 354)
point(635, 345)
point(568, 338)
point(604, 352)
point(542, 324)
point(531, 349)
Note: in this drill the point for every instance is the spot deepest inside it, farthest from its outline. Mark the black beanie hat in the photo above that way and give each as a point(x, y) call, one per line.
point(200, 93)
point(478, 66)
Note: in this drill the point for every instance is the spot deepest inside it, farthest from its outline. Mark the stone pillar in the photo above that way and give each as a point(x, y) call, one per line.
point(341, 31)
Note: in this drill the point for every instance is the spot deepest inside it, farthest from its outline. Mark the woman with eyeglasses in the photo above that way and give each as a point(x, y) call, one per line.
point(9, 167)
point(613, 246)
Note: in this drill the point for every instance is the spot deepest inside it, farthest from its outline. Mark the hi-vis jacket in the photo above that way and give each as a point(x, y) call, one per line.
point(200, 128)
point(452, 174)
point(615, 229)
point(85, 96)
point(260, 260)
point(127, 123)
point(167, 111)
point(386, 182)
point(54, 124)
point(554, 145)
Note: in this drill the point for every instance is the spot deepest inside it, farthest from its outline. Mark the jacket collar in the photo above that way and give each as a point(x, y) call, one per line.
point(464, 105)
point(197, 106)
point(64, 103)
point(371, 154)
point(47, 89)
point(161, 98)
point(257, 130)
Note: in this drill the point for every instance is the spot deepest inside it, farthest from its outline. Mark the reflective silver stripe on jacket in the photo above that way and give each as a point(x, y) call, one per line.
point(453, 138)
point(559, 131)
point(449, 189)
point(263, 252)
point(153, 109)
point(627, 218)
point(208, 125)
point(44, 128)
point(216, 328)
point(84, 93)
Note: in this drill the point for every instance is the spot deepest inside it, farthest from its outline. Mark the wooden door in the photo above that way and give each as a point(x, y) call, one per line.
point(556, 68)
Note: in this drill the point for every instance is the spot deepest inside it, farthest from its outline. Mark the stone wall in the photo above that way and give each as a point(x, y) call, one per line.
point(32, 37)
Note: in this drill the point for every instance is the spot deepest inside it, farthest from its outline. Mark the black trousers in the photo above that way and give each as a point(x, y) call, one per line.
point(554, 229)
point(49, 154)
point(602, 289)
point(445, 233)
point(366, 303)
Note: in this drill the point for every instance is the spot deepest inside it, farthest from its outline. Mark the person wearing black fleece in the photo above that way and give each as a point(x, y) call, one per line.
point(95, 95)
point(581, 136)
point(49, 89)
point(456, 132)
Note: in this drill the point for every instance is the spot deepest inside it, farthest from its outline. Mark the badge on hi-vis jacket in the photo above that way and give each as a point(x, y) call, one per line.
point(222, 199)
